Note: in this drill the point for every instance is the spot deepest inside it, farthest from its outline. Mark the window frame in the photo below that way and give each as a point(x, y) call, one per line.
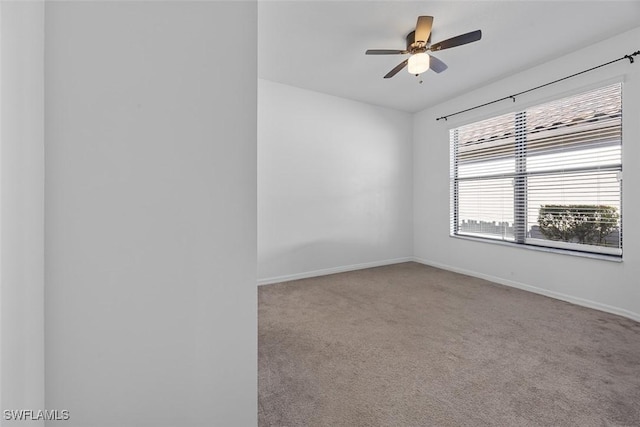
point(520, 211)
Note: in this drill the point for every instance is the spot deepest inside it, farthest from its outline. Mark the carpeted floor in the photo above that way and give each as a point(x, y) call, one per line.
point(411, 345)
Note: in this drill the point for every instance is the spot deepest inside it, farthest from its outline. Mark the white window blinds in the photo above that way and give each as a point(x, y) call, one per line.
point(549, 176)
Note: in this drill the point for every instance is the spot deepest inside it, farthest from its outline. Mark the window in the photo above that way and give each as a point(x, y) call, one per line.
point(548, 176)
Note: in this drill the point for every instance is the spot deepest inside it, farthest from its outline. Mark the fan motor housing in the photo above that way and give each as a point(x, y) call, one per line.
point(413, 47)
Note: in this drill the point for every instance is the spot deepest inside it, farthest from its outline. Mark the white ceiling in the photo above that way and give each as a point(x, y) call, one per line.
point(320, 45)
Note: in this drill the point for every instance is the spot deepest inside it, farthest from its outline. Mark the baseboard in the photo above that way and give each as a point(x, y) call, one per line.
point(557, 295)
point(333, 270)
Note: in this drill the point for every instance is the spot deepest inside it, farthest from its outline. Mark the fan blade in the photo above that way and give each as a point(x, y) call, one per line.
point(399, 67)
point(385, 52)
point(423, 28)
point(436, 65)
point(473, 36)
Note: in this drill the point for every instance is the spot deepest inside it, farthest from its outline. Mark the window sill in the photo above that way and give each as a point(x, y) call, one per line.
point(602, 257)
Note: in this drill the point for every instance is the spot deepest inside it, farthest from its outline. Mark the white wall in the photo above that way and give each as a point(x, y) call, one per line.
point(334, 183)
point(606, 285)
point(151, 213)
point(21, 207)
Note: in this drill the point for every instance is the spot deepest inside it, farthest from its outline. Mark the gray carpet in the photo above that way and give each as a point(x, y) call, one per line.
point(410, 345)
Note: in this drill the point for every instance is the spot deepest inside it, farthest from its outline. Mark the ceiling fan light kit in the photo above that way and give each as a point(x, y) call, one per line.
point(418, 63)
point(419, 43)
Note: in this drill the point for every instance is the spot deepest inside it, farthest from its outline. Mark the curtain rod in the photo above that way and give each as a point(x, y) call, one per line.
point(513, 97)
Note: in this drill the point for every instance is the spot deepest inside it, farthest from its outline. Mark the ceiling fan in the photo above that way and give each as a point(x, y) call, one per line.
point(419, 43)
